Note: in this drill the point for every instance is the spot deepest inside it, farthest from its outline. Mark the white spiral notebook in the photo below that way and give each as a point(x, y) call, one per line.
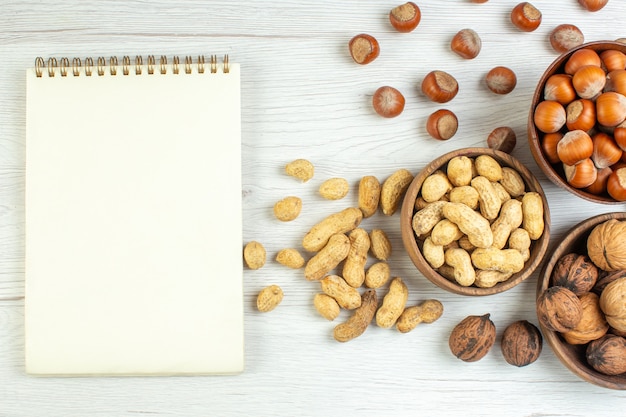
point(133, 217)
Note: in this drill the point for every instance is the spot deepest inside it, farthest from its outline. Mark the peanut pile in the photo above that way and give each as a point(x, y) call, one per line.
point(339, 249)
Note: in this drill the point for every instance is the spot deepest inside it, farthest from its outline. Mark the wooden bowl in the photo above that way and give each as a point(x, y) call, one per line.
point(573, 356)
point(413, 245)
point(555, 172)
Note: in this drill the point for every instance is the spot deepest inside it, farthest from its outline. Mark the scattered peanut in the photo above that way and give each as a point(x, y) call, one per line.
point(377, 275)
point(380, 244)
point(341, 222)
point(393, 304)
point(269, 298)
point(360, 320)
point(327, 306)
point(254, 255)
point(290, 258)
point(393, 189)
point(288, 208)
point(336, 287)
point(334, 188)
point(426, 312)
point(369, 195)
point(354, 265)
point(300, 169)
point(328, 257)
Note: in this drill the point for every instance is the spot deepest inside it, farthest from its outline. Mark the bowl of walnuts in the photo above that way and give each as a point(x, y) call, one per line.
point(580, 300)
point(576, 125)
point(475, 221)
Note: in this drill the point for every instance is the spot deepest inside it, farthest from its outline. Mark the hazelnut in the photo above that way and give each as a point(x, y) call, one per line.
point(613, 305)
point(501, 80)
point(406, 17)
point(472, 338)
point(439, 86)
point(607, 355)
point(502, 139)
point(575, 272)
point(592, 326)
point(466, 43)
point(559, 309)
point(526, 17)
point(565, 37)
point(442, 124)
point(521, 343)
point(364, 48)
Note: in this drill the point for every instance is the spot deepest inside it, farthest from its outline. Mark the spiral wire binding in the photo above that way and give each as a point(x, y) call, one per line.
point(52, 66)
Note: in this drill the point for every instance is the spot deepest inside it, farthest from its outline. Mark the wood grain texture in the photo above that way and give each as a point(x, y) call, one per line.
point(303, 97)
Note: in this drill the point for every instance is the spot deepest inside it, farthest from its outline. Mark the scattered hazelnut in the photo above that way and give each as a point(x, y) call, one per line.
point(593, 5)
point(440, 86)
point(501, 80)
point(559, 309)
point(575, 272)
point(565, 37)
point(607, 355)
point(442, 124)
point(406, 17)
point(472, 338)
point(466, 43)
point(388, 102)
point(502, 139)
point(526, 17)
point(364, 48)
point(521, 343)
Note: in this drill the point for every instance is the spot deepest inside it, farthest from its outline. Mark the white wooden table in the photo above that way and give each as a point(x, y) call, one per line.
point(303, 97)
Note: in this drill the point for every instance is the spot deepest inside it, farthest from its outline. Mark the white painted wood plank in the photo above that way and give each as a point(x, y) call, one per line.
point(302, 96)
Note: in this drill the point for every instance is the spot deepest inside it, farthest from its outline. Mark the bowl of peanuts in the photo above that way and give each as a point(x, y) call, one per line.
point(577, 122)
point(475, 221)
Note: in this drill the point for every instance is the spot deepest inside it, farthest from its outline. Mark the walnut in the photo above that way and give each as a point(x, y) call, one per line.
point(521, 343)
point(606, 245)
point(472, 338)
point(613, 304)
point(559, 309)
point(575, 272)
point(592, 326)
point(606, 278)
point(607, 355)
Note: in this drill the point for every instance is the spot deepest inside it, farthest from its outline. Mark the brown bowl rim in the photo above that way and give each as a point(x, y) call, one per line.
point(569, 355)
point(538, 249)
point(533, 135)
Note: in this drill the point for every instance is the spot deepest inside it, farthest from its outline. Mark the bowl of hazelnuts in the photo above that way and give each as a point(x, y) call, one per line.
point(577, 122)
point(581, 300)
point(475, 221)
